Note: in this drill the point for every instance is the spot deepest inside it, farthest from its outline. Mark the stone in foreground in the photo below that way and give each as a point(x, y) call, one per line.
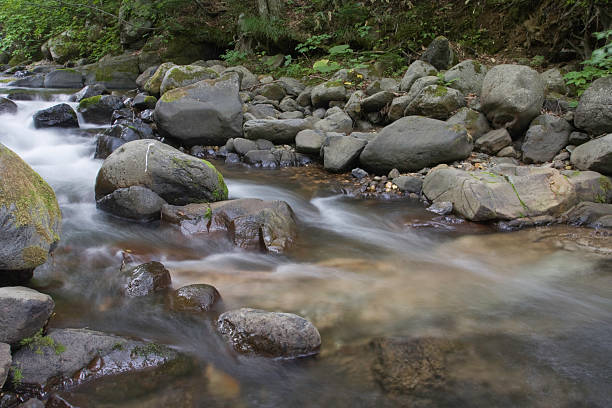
point(250, 223)
point(23, 312)
point(270, 334)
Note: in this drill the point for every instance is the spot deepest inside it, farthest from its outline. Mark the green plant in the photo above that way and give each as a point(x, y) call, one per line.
point(234, 57)
point(340, 50)
point(444, 82)
point(313, 42)
point(17, 375)
point(38, 342)
point(598, 66)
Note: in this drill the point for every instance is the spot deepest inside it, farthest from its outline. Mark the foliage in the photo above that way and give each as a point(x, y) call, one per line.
point(314, 42)
point(38, 342)
point(325, 66)
point(234, 57)
point(17, 375)
point(598, 66)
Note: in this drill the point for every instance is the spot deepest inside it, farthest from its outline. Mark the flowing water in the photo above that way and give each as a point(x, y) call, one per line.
point(532, 309)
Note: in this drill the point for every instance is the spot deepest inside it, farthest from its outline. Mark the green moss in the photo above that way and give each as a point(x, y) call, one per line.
point(605, 187)
point(88, 102)
point(154, 83)
point(72, 71)
point(38, 342)
point(35, 255)
point(477, 67)
point(439, 91)
point(17, 375)
point(517, 194)
point(148, 349)
point(221, 193)
point(150, 100)
point(173, 95)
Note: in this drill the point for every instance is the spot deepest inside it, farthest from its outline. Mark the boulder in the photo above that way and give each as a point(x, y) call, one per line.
point(322, 94)
point(243, 146)
point(32, 81)
point(7, 106)
point(195, 298)
point(61, 115)
point(309, 141)
point(398, 107)
point(180, 76)
point(99, 109)
point(64, 78)
point(512, 96)
point(176, 177)
point(24, 313)
point(88, 353)
point(340, 152)
point(262, 158)
point(546, 136)
point(509, 192)
point(288, 104)
point(416, 70)
point(114, 72)
point(147, 279)
point(5, 362)
point(409, 184)
point(493, 141)
point(594, 111)
point(594, 155)
point(292, 86)
point(439, 53)
point(553, 81)
point(578, 138)
point(270, 334)
point(304, 98)
point(415, 142)
point(145, 76)
point(247, 79)
point(277, 131)
point(272, 91)
point(436, 101)
point(29, 215)
point(596, 215)
point(383, 84)
point(467, 77)
point(142, 101)
point(208, 112)
point(377, 101)
point(88, 92)
point(249, 223)
point(135, 203)
point(153, 84)
point(120, 134)
point(338, 122)
point(475, 122)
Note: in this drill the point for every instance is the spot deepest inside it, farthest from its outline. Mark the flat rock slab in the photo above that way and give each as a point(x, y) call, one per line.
point(23, 312)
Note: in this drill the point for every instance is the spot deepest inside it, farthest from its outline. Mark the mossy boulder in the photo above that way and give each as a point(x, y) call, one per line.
point(176, 177)
point(29, 215)
point(63, 47)
point(99, 109)
point(153, 84)
point(436, 101)
point(114, 72)
point(183, 75)
point(466, 76)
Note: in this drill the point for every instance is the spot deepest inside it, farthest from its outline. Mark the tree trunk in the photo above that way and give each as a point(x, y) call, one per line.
point(270, 8)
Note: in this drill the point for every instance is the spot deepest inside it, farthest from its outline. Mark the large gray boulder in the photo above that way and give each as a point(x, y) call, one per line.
point(509, 192)
point(512, 96)
point(114, 72)
point(99, 109)
point(153, 84)
point(29, 215)
point(24, 312)
point(546, 136)
point(135, 203)
point(467, 77)
point(64, 78)
point(595, 155)
point(553, 81)
point(5, 362)
point(182, 75)
point(594, 111)
point(277, 131)
point(208, 112)
point(415, 142)
point(327, 92)
point(270, 334)
point(436, 101)
point(195, 298)
point(416, 70)
point(475, 122)
point(69, 351)
point(340, 152)
point(439, 53)
point(249, 223)
point(176, 177)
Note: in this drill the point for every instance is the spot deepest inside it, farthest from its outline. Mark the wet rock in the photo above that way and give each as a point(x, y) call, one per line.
point(436, 101)
point(409, 184)
point(512, 96)
point(467, 77)
point(114, 72)
point(553, 81)
point(321, 95)
point(439, 53)
point(262, 158)
point(243, 146)
point(594, 155)
point(55, 401)
point(78, 355)
point(359, 173)
point(24, 312)
point(180, 76)
point(441, 207)
point(338, 122)
point(546, 136)
point(195, 298)
point(176, 177)
point(509, 192)
point(99, 109)
point(143, 101)
point(416, 70)
point(88, 92)
point(277, 131)
point(147, 279)
point(208, 112)
point(7, 106)
point(475, 122)
point(414, 142)
point(5, 362)
point(135, 203)
point(493, 141)
point(250, 223)
point(32, 403)
point(33, 81)
point(64, 78)
point(596, 215)
point(61, 115)
point(377, 101)
point(232, 158)
point(269, 334)
point(113, 138)
point(153, 84)
point(340, 152)
point(594, 111)
point(29, 215)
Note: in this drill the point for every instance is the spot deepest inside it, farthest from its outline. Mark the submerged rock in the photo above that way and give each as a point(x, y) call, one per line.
point(61, 115)
point(269, 334)
point(195, 298)
point(24, 312)
point(147, 279)
point(250, 223)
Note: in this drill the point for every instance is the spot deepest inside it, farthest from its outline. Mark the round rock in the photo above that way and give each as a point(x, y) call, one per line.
point(195, 298)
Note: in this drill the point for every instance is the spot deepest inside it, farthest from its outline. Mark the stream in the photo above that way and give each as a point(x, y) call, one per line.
point(533, 308)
